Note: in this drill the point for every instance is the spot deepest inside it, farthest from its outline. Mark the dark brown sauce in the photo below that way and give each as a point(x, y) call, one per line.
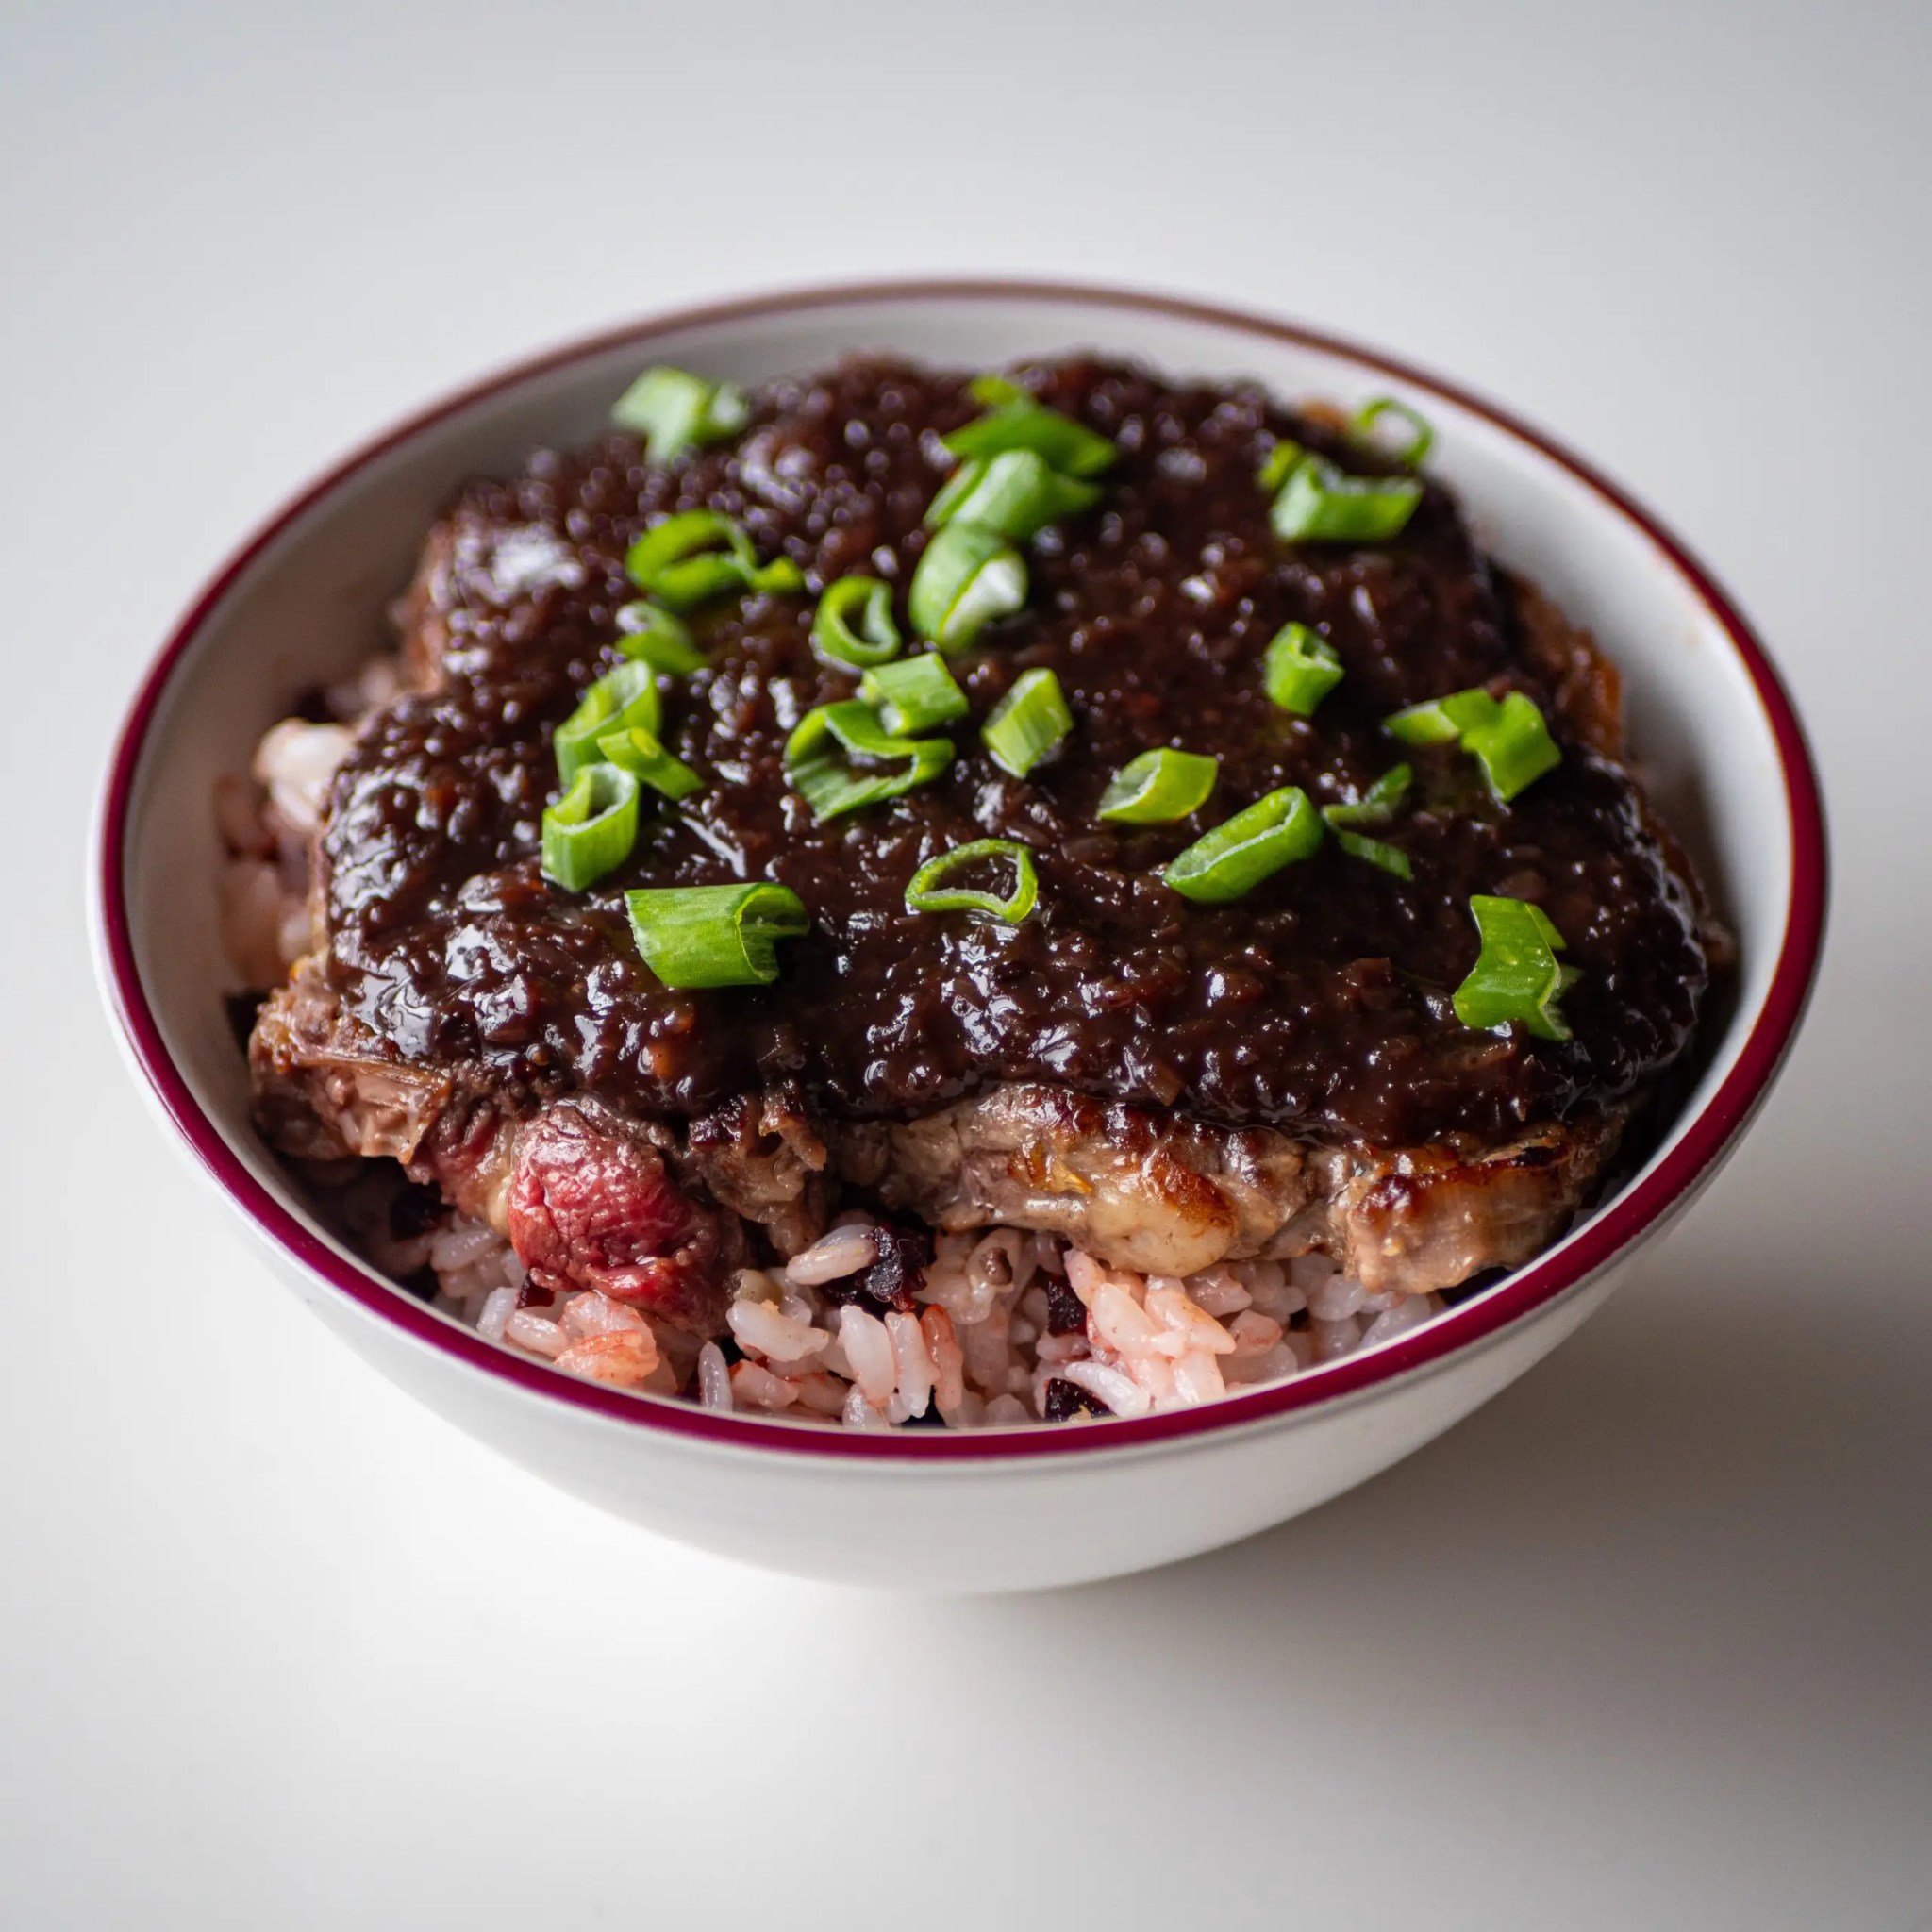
point(1320, 1002)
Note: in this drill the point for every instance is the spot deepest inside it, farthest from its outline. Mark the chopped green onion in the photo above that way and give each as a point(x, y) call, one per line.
point(1014, 492)
point(922, 894)
point(999, 393)
point(966, 578)
point(694, 936)
point(639, 752)
point(1389, 857)
point(1516, 975)
point(1377, 805)
point(1422, 438)
point(1158, 787)
point(876, 637)
point(832, 785)
point(700, 554)
point(914, 694)
point(1299, 669)
point(618, 701)
point(1237, 856)
point(1514, 749)
point(1028, 723)
point(1509, 740)
point(653, 635)
point(673, 410)
point(1281, 463)
point(1320, 504)
point(590, 829)
point(1017, 422)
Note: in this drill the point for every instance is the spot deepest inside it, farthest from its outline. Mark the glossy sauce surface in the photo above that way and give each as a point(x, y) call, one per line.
point(1320, 1002)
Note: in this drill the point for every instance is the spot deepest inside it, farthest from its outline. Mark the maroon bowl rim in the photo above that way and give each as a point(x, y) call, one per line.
point(1704, 1139)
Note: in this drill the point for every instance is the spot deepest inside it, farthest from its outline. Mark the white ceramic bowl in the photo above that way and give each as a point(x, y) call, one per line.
point(303, 601)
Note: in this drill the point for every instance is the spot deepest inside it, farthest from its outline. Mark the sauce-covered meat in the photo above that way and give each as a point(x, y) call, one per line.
point(1319, 1002)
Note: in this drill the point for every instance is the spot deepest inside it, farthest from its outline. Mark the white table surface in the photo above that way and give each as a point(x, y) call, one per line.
point(1644, 1644)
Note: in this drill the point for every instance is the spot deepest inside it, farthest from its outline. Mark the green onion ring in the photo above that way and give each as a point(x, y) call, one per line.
point(876, 637)
point(589, 831)
point(1028, 723)
point(1299, 669)
point(674, 410)
point(1422, 437)
point(618, 701)
point(658, 638)
point(1517, 975)
point(698, 936)
point(965, 579)
point(923, 893)
point(1158, 787)
point(1232, 859)
point(1319, 503)
point(1014, 492)
point(914, 694)
point(640, 753)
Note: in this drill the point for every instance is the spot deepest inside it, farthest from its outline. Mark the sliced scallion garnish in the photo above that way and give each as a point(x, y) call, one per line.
point(1016, 493)
point(1391, 858)
point(833, 785)
point(1158, 787)
point(1299, 669)
point(658, 638)
point(1517, 975)
point(1509, 741)
point(618, 700)
point(914, 694)
point(873, 639)
point(694, 936)
point(926, 894)
point(640, 753)
point(589, 831)
point(1377, 805)
point(1318, 502)
point(965, 579)
point(1234, 858)
point(1028, 723)
point(674, 410)
point(1017, 422)
point(1410, 455)
point(697, 554)
point(1279, 464)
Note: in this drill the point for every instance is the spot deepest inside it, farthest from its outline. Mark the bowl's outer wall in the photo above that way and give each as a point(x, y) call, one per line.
point(310, 600)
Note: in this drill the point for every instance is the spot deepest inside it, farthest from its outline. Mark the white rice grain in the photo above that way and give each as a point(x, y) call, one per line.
point(714, 1379)
point(497, 1310)
point(461, 1242)
point(536, 1333)
point(858, 1413)
point(758, 1386)
point(766, 1331)
point(1334, 1298)
point(845, 1251)
point(1197, 1379)
point(915, 1368)
point(1334, 1339)
point(1119, 1394)
point(622, 1357)
point(1410, 1312)
point(597, 1314)
point(297, 761)
point(1003, 1411)
point(869, 1349)
point(948, 1364)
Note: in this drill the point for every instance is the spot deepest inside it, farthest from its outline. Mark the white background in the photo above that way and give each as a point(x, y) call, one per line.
point(1644, 1644)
